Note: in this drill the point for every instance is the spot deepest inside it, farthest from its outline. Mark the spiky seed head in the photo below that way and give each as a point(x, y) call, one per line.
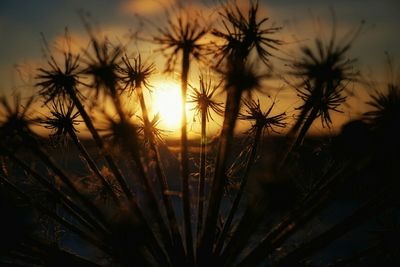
point(183, 35)
point(102, 66)
point(386, 109)
point(152, 129)
point(262, 120)
point(244, 78)
point(325, 72)
point(136, 74)
point(243, 34)
point(55, 82)
point(203, 98)
point(15, 122)
point(62, 122)
point(122, 134)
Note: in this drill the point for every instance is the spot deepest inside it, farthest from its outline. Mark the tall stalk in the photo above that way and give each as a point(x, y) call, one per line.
point(96, 137)
point(173, 224)
point(81, 216)
point(238, 197)
point(217, 188)
point(92, 165)
point(182, 37)
point(372, 207)
point(48, 161)
point(242, 35)
point(94, 241)
point(261, 121)
point(185, 159)
point(129, 139)
point(202, 174)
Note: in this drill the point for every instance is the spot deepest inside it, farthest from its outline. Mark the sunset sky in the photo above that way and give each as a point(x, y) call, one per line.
point(22, 21)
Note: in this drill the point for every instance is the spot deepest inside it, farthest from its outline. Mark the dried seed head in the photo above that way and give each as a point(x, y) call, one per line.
point(262, 120)
point(325, 73)
point(203, 98)
point(62, 121)
point(183, 35)
point(102, 66)
point(385, 104)
point(244, 34)
point(152, 129)
point(55, 82)
point(121, 134)
point(135, 75)
point(15, 122)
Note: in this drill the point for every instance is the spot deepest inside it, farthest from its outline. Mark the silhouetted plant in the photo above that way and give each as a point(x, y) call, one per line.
point(204, 102)
point(184, 37)
point(325, 73)
point(140, 226)
point(384, 116)
point(261, 122)
point(241, 36)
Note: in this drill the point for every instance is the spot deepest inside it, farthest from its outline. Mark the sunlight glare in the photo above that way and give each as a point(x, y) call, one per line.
point(167, 101)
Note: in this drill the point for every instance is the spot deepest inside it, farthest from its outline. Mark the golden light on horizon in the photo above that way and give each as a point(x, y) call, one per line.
point(167, 101)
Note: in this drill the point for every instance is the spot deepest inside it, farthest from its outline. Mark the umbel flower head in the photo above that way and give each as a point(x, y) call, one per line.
point(121, 133)
point(325, 73)
point(102, 66)
point(62, 121)
point(385, 105)
point(135, 75)
point(182, 35)
point(262, 120)
point(386, 108)
point(153, 129)
point(242, 34)
point(55, 82)
point(15, 121)
point(203, 98)
point(325, 102)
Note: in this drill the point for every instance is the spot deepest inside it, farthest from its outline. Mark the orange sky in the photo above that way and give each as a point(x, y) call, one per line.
point(22, 21)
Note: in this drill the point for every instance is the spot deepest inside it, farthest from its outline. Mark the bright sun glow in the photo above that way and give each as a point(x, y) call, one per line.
point(167, 101)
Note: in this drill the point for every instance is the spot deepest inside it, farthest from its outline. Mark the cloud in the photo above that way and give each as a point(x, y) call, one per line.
point(145, 7)
point(80, 40)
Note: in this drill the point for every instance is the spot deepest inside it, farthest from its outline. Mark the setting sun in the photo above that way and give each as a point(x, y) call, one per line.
point(167, 102)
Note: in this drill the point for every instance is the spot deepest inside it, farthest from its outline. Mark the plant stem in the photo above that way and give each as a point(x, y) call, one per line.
point(173, 224)
point(97, 243)
point(297, 217)
point(185, 160)
point(306, 126)
point(50, 163)
point(110, 161)
point(231, 113)
point(300, 137)
point(68, 204)
point(372, 207)
point(131, 142)
point(93, 165)
point(236, 202)
point(202, 176)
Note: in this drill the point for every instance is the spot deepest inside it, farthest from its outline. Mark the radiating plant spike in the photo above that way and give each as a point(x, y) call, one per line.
point(242, 36)
point(136, 74)
point(325, 72)
point(205, 103)
point(261, 122)
point(203, 98)
point(183, 37)
point(262, 119)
